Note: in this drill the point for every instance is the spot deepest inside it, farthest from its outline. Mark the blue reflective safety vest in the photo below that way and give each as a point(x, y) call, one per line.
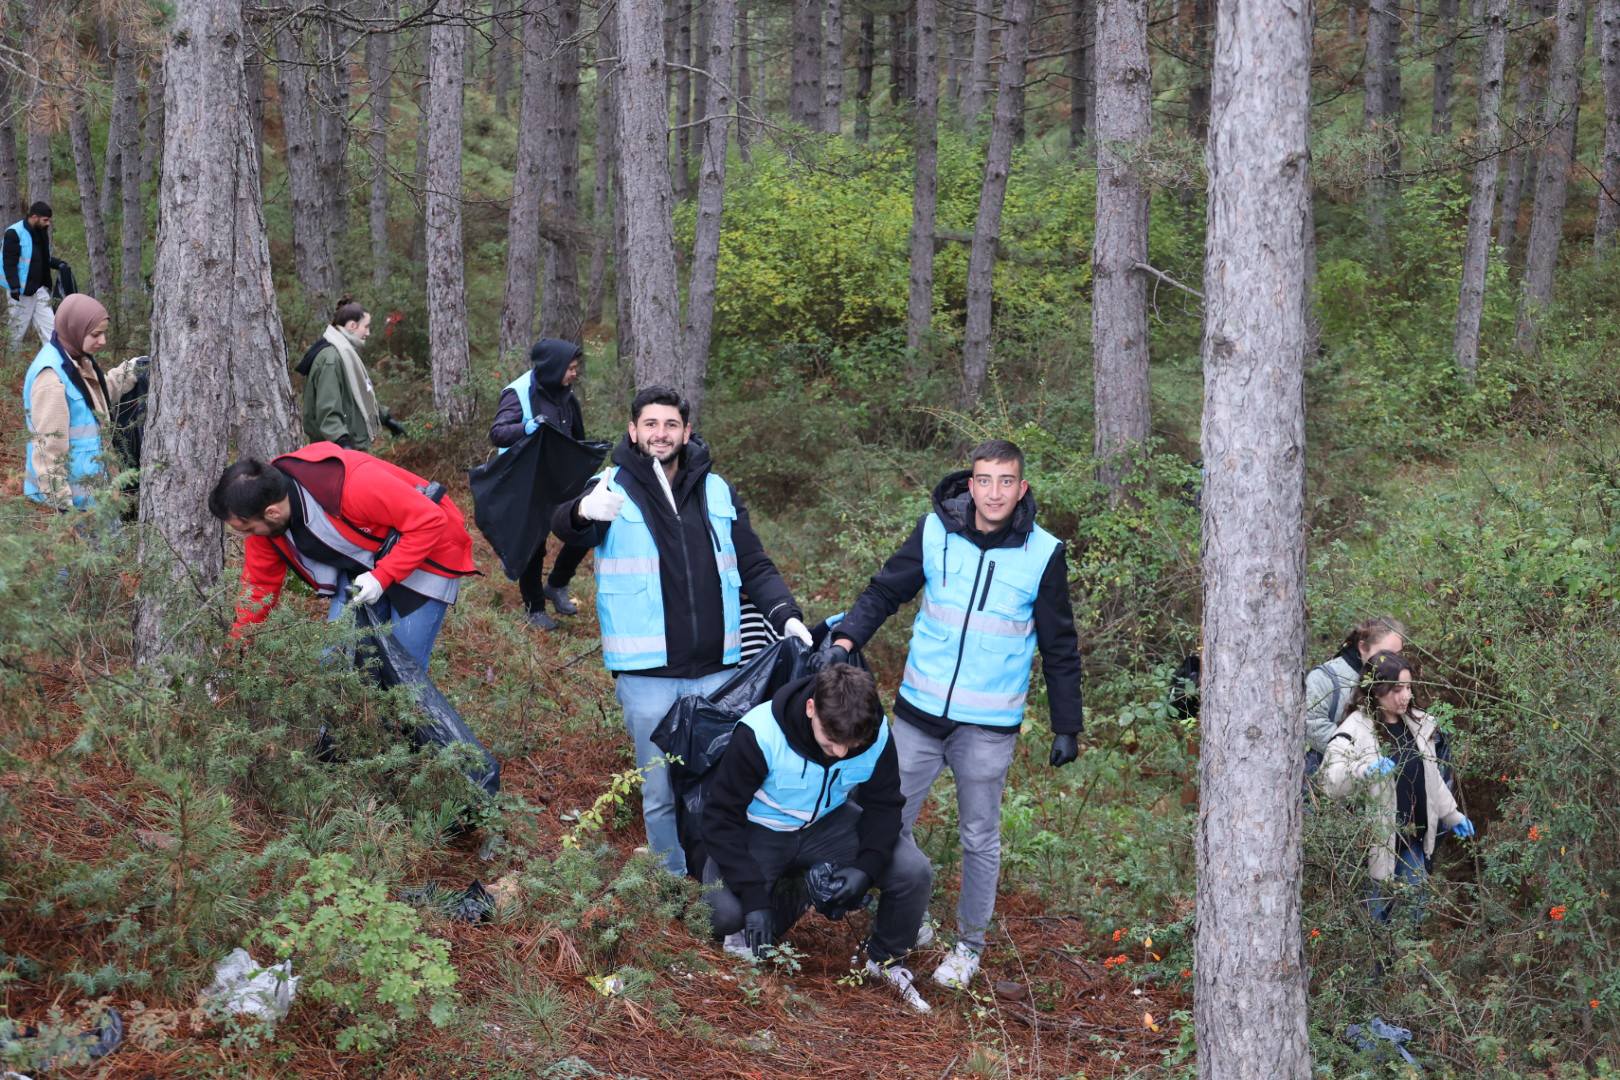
point(520, 386)
point(629, 588)
point(83, 433)
point(25, 255)
point(973, 643)
point(796, 791)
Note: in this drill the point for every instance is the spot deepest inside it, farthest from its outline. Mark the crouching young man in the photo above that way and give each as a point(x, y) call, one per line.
point(811, 777)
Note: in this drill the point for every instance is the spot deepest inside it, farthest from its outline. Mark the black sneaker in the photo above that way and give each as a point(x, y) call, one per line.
point(542, 621)
point(560, 600)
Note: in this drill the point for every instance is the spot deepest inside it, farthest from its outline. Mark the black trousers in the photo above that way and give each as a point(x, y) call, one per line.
point(904, 887)
point(562, 572)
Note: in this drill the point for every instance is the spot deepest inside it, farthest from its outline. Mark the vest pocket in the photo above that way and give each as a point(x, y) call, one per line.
point(621, 584)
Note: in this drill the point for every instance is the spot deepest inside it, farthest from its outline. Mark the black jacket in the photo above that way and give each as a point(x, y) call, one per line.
point(742, 769)
point(39, 264)
point(693, 617)
point(549, 399)
point(902, 578)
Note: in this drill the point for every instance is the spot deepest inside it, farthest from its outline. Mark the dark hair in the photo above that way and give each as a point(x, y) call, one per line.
point(660, 395)
point(40, 209)
point(847, 704)
point(1380, 675)
point(246, 489)
point(1372, 629)
point(347, 312)
point(998, 450)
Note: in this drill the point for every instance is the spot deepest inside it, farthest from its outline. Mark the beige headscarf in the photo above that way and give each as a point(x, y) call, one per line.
point(75, 318)
point(354, 373)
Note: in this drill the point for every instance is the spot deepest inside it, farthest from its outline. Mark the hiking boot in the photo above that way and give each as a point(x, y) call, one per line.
point(737, 945)
point(901, 979)
point(542, 621)
point(958, 969)
point(560, 600)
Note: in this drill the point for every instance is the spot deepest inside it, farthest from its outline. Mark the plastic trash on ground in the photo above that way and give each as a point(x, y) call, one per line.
point(1379, 1036)
point(77, 1049)
point(474, 904)
point(244, 987)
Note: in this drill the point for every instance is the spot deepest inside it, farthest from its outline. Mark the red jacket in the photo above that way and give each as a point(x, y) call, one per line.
point(366, 498)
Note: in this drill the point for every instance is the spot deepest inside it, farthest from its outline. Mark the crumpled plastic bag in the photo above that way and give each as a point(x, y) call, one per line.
point(818, 882)
point(474, 904)
point(243, 986)
point(1377, 1035)
point(93, 1045)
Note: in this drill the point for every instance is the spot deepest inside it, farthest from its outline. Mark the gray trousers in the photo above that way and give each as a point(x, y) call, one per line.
point(979, 759)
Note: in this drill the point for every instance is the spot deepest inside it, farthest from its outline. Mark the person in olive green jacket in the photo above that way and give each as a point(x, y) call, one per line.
point(339, 403)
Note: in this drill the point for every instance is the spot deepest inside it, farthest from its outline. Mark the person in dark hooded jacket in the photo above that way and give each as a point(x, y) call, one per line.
point(995, 589)
point(674, 555)
point(544, 395)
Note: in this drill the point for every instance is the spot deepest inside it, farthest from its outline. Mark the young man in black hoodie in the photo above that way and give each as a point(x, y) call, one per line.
point(544, 395)
point(995, 588)
point(674, 554)
point(811, 777)
point(25, 259)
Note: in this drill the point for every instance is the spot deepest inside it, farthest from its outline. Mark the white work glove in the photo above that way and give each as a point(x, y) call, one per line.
point(796, 628)
point(366, 590)
point(601, 503)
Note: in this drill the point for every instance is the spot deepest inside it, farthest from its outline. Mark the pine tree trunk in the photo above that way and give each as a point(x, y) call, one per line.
point(501, 61)
point(866, 58)
point(924, 195)
point(976, 87)
point(132, 306)
point(39, 148)
point(1552, 176)
point(681, 167)
point(1381, 105)
point(1529, 95)
point(601, 188)
point(987, 225)
point(95, 230)
point(1250, 999)
point(804, 100)
point(222, 326)
point(832, 68)
point(1198, 94)
point(528, 190)
point(711, 199)
point(253, 66)
point(1119, 343)
point(1482, 201)
point(646, 273)
point(152, 152)
point(379, 73)
point(1445, 66)
point(11, 203)
point(1080, 66)
point(745, 84)
point(331, 82)
point(125, 96)
point(312, 252)
point(560, 312)
point(1352, 23)
point(1608, 208)
point(424, 103)
point(446, 262)
point(949, 54)
point(897, 58)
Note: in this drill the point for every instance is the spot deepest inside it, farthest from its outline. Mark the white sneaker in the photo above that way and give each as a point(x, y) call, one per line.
point(901, 979)
point(925, 935)
point(737, 945)
point(958, 969)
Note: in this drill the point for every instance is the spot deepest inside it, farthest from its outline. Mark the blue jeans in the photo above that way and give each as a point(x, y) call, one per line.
point(1411, 875)
point(416, 632)
point(645, 699)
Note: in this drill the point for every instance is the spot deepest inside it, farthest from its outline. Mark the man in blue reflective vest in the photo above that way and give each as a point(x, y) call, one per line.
point(809, 778)
point(674, 554)
point(995, 589)
point(544, 395)
point(25, 260)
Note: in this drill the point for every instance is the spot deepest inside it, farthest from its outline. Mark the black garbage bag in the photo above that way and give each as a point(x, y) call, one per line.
point(440, 724)
point(697, 729)
point(129, 417)
point(66, 283)
point(474, 904)
point(514, 494)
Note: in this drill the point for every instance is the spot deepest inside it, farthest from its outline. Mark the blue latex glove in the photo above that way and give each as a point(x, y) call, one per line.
point(531, 425)
point(1463, 829)
point(1382, 767)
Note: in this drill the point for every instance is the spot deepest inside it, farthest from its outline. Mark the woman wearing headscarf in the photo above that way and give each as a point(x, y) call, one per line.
point(67, 402)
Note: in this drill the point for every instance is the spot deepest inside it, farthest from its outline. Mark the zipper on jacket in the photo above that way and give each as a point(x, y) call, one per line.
point(961, 647)
point(989, 576)
point(827, 776)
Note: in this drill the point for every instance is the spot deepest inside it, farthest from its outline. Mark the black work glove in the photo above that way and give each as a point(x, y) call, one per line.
point(837, 654)
point(757, 930)
point(345, 442)
point(395, 428)
point(849, 885)
point(1065, 748)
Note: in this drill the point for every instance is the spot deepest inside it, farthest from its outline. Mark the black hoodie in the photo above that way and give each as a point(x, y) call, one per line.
point(740, 772)
point(694, 619)
point(549, 399)
point(902, 578)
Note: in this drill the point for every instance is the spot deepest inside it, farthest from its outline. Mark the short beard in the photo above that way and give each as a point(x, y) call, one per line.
point(644, 452)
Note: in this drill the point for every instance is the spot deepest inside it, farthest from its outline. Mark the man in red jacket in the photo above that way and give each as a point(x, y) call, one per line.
point(337, 516)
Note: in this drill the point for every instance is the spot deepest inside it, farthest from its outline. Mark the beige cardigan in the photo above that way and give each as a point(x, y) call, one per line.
point(1351, 753)
point(48, 411)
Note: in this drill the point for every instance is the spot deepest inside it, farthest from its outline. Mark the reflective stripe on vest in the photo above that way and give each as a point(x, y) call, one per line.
point(83, 433)
point(520, 386)
point(324, 578)
point(796, 791)
point(973, 642)
point(629, 583)
point(25, 255)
